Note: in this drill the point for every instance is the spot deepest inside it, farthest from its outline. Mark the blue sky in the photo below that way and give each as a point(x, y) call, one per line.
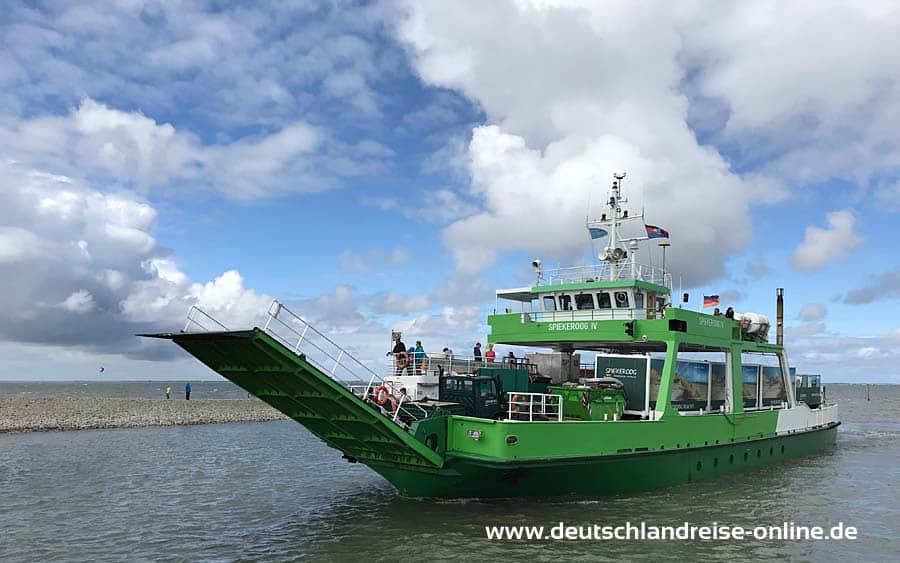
point(388, 165)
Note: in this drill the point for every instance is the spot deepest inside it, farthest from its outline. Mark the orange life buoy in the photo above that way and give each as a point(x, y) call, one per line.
point(382, 395)
point(515, 403)
point(402, 360)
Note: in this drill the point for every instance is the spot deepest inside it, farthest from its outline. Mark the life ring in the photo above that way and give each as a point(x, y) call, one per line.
point(382, 395)
point(402, 360)
point(515, 403)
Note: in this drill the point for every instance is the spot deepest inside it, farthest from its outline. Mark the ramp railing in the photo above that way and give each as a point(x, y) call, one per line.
point(297, 334)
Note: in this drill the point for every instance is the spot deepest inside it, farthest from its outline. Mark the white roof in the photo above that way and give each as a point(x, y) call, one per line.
point(516, 294)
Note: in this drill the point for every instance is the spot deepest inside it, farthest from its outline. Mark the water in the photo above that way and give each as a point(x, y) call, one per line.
point(271, 491)
point(138, 389)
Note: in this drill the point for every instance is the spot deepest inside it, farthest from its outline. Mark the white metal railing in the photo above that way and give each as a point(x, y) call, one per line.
point(301, 337)
point(199, 318)
point(544, 405)
point(607, 271)
point(294, 332)
point(589, 315)
point(434, 364)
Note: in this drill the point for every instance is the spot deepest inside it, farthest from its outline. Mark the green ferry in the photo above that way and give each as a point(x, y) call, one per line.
point(672, 395)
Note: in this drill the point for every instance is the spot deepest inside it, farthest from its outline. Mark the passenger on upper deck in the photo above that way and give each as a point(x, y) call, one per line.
point(490, 355)
point(729, 313)
point(717, 312)
point(476, 352)
point(401, 357)
point(419, 357)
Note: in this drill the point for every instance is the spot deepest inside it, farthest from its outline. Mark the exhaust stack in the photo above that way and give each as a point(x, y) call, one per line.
point(779, 308)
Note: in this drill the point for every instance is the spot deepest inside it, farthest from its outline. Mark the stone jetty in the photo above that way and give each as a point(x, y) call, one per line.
point(26, 414)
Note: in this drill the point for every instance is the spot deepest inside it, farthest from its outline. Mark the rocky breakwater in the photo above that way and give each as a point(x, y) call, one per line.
point(26, 414)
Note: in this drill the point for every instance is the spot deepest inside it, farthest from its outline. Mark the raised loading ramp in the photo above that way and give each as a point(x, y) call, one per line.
point(268, 369)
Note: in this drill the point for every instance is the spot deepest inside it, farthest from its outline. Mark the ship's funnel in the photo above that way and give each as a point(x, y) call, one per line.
point(779, 317)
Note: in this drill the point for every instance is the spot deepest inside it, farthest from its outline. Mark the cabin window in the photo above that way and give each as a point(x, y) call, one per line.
point(772, 386)
point(638, 300)
point(486, 390)
point(604, 300)
point(750, 380)
point(565, 302)
point(549, 303)
point(621, 299)
point(584, 301)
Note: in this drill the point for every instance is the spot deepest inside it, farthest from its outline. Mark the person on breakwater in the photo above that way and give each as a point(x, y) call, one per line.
point(168, 391)
point(187, 391)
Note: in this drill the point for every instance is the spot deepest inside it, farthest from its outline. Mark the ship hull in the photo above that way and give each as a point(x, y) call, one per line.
point(465, 477)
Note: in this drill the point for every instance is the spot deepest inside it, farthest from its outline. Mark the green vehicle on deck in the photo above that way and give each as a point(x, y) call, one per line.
point(675, 419)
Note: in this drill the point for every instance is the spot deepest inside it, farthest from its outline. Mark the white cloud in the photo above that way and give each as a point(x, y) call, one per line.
point(79, 302)
point(875, 359)
point(574, 91)
point(822, 246)
point(572, 101)
point(18, 244)
point(98, 275)
point(371, 261)
point(812, 312)
point(226, 64)
point(392, 303)
point(97, 141)
point(879, 287)
point(800, 83)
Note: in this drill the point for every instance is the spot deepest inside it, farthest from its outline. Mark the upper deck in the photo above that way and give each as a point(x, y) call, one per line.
point(623, 330)
point(607, 272)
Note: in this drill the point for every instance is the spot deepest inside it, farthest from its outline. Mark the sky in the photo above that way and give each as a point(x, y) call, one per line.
point(388, 165)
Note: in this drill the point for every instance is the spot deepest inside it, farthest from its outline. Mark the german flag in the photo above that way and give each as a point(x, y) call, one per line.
point(710, 300)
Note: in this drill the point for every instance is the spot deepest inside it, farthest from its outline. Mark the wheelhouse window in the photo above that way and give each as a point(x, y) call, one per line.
point(584, 301)
point(621, 299)
point(549, 303)
point(604, 300)
point(565, 302)
point(638, 300)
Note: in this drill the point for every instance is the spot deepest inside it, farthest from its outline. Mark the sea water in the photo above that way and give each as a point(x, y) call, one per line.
point(271, 491)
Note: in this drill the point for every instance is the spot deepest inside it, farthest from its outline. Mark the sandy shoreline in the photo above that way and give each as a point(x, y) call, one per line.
point(27, 414)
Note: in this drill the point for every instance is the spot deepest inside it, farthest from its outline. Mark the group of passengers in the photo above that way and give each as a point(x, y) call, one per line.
point(414, 358)
point(729, 313)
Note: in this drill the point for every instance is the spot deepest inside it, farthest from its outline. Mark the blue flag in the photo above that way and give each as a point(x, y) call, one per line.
point(597, 232)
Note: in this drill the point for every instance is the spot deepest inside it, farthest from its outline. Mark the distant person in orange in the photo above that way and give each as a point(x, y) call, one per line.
point(490, 355)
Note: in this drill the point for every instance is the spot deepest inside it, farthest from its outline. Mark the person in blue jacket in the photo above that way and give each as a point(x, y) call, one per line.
point(187, 391)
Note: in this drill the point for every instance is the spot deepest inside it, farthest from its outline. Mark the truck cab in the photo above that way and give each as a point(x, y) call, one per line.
point(478, 395)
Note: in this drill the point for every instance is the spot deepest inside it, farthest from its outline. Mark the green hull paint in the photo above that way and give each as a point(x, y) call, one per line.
point(463, 477)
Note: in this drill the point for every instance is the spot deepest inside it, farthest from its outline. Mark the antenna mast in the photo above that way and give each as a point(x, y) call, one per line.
point(613, 252)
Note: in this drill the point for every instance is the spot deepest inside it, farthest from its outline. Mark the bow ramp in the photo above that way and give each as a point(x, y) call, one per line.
point(302, 380)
